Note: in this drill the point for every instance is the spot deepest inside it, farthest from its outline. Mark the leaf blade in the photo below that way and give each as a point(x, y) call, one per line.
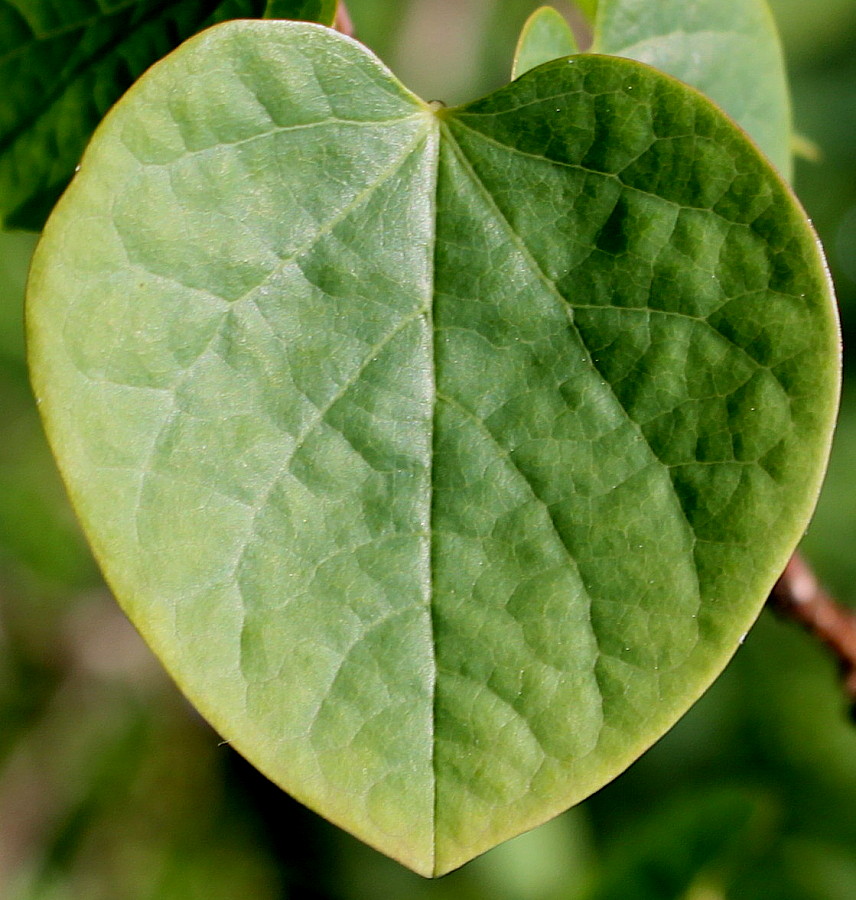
point(356, 459)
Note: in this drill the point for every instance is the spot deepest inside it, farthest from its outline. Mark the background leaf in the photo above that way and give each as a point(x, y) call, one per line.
point(63, 65)
point(545, 36)
point(692, 848)
point(323, 11)
point(728, 49)
point(440, 561)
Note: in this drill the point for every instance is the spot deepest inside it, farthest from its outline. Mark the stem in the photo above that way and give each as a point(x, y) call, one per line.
point(582, 28)
point(343, 21)
point(798, 596)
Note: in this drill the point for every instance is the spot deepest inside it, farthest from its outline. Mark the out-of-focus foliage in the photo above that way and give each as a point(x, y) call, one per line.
point(692, 844)
point(110, 787)
point(64, 65)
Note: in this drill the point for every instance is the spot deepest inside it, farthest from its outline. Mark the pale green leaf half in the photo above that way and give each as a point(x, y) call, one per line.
point(443, 456)
point(545, 36)
point(728, 49)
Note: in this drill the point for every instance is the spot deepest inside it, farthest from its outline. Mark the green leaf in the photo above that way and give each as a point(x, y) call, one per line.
point(442, 455)
point(728, 49)
point(62, 65)
point(545, 36)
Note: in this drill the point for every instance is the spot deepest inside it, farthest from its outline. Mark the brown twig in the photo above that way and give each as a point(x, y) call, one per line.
point(343, 21)
point(798, 596)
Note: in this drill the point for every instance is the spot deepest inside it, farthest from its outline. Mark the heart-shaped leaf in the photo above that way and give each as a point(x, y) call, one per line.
point(442, 455)
point(62, 65)
point(728, 49)
point(545, 36)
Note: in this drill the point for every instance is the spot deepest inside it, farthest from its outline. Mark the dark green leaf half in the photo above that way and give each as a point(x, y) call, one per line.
point(443, 456)
point(545, 36)
point(63, 65)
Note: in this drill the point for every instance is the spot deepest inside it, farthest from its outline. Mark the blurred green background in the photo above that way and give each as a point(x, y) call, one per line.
point(112, 787)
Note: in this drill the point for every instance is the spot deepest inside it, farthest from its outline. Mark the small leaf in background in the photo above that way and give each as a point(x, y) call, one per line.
point(727, 49)
point(62, 67)
point(443, 456)
point(545, 36)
